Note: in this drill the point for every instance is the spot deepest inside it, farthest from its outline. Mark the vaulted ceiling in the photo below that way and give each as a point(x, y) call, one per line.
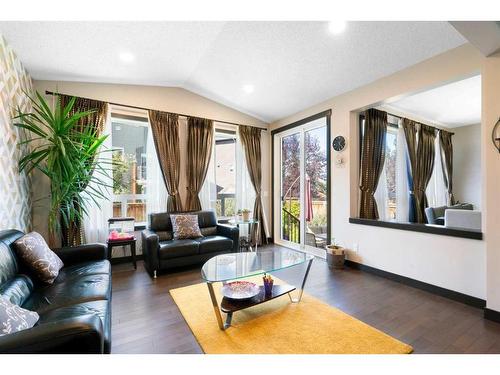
point(451, 105)
point(266, 69)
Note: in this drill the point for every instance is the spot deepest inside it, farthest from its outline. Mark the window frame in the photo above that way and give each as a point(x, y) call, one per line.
point(142, 119)
point(232, 140)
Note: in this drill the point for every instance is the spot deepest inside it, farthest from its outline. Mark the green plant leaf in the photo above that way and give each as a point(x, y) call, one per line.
point(66, 154)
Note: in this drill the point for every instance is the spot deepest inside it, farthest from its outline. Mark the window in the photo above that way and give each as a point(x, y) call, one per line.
point(225, 173)
point(129, 141)
point(391, 144)
point(227, 187)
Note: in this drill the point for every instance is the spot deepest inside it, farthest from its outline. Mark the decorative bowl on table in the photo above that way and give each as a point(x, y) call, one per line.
point(115, 236)
point(240, 290)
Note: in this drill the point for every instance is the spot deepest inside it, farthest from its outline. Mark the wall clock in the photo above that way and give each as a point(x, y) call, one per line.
point(339, 143)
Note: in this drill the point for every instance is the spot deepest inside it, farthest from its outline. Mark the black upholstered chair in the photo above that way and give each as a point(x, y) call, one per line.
point(162, 252)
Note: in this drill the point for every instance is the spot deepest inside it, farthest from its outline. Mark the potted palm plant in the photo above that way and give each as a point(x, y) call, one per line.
point(67, 154)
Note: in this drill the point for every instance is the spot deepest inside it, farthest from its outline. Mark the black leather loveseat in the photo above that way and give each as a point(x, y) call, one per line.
point(162, 252)
point(75, 311)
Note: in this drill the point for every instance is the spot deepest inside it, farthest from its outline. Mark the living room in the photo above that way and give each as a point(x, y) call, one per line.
point(199, 202)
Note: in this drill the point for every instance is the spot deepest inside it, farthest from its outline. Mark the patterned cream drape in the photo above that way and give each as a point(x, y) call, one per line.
point(447, 163)
point(74, 235)
point(250, 140)
point(199, 150)
point(165, 127)
point(372, 161)
point(420, 144)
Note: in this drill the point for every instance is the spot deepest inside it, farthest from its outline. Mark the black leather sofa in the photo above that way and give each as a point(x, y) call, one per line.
point(75, 311)
point(162, 252)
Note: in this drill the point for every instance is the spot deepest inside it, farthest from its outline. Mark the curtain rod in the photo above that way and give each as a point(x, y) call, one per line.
point(419, 122)
point(47, 92)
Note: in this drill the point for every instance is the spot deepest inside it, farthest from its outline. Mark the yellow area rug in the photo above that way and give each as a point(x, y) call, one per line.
point(281, 327)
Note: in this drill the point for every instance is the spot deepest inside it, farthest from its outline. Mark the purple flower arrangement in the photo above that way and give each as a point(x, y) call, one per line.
point(268, 285)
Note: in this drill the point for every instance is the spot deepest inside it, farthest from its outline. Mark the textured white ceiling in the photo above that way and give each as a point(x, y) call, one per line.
point(452, 105)
point(292, 65)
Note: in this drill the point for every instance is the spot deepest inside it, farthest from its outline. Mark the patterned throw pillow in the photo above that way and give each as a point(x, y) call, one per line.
point(14, 318)
point(37, 256)
point(185, 226)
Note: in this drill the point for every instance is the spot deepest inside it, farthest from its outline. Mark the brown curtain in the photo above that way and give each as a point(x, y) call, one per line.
point(165, 127)
point(410, 128)
point(372, 161)
point(250, 140)
point(420, 144)
point(200, 139)
point(425, 165)
point(74, 235)
point(95, 120)
point(447, 163)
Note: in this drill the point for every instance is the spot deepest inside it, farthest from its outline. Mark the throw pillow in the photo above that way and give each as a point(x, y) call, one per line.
point(185, 226)
point(14, 318)
point(37, 256)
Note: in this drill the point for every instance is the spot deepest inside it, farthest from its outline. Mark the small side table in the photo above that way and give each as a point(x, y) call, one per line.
point(127, 242)
point(245, 242)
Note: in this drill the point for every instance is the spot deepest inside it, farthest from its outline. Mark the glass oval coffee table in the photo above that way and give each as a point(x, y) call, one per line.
point(228, 267)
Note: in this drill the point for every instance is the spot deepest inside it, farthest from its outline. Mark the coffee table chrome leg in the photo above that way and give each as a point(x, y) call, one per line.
point(301, 291)
point(215, 304)
point(229, 317)
point(257, 236)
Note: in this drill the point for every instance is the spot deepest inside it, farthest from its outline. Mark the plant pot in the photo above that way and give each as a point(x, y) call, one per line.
point(335, 257)
point(245, 216)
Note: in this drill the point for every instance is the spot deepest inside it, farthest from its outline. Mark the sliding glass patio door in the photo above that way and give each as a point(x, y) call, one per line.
point(301, 178)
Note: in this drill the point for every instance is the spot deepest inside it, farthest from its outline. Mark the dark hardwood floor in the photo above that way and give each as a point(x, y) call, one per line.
point(146, 320)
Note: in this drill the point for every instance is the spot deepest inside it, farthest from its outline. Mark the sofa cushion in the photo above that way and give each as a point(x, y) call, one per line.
point(178, 248)
point(209, 231)
point(72, 291)
point(439, 220)
point(185, 226)
point(99, 308)
point(463, 219)
point(207, 218)
point(17, 290)
point(84, 269)
point(160, 222)
point(37, 256)
point(164, 235)
point(14, 318)
point(8, 263)
point(212, 244)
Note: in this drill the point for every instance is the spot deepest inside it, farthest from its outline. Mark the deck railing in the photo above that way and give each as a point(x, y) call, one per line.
point(291, 226)
point(131, 205)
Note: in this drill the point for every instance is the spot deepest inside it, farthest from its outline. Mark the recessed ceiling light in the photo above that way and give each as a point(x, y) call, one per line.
point(248, 88)
point(337, 27)
point(127, 57)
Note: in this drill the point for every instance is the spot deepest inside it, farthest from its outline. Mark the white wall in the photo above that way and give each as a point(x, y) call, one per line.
point(490, 86)
point(453, 263)
point(467, 173)
point(170, 99)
